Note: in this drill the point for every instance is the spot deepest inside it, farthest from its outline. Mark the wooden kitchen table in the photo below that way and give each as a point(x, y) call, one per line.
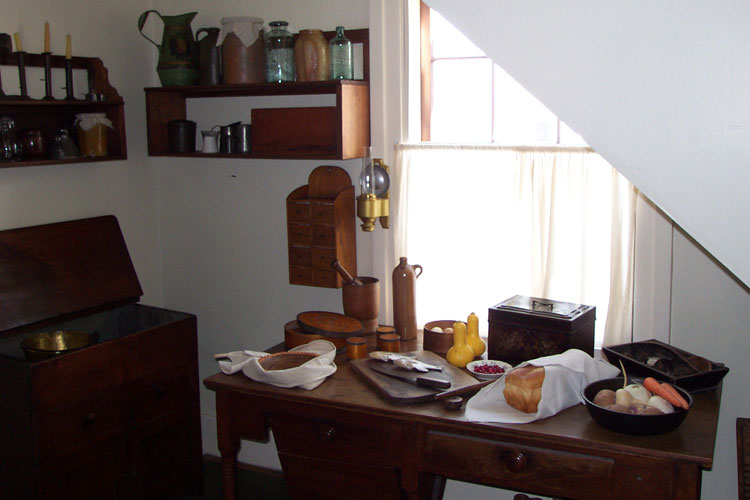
point(344, 440)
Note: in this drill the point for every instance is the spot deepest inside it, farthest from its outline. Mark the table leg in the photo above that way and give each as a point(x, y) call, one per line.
point(229, 446)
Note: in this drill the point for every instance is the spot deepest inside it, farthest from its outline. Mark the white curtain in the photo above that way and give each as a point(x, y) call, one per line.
point(490, 222)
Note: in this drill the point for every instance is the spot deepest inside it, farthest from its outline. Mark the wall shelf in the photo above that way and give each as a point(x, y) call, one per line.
point(52, 115)
point(338, 132)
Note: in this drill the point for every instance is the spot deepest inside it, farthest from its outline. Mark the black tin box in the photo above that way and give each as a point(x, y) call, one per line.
point(523, 328)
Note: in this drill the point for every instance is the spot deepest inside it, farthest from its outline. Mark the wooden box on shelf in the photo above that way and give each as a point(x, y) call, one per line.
point(321, 228)
point(51, 115)
point(337, 132)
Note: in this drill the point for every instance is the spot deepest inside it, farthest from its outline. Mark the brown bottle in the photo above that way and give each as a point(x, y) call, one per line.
point(404, 300)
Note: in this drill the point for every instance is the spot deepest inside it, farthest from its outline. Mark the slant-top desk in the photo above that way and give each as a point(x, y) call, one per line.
point(343, 440)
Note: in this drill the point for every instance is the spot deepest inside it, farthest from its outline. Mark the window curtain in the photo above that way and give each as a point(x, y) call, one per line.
point(490, 222)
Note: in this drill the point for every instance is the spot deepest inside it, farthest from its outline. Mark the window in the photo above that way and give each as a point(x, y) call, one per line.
point(472, 100)
point(501, 198)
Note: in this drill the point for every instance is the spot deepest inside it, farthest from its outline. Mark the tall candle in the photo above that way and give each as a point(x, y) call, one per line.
point(46, 37)
point(68, 47)
point(17, 38)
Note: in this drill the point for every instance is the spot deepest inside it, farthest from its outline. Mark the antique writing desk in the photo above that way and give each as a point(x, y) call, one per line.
point(343, 440)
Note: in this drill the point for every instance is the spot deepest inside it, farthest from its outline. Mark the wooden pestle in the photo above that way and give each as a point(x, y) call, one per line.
point(348, 279)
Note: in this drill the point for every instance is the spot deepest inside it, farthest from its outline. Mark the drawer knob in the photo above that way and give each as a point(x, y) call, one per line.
point(327, 432)
point(516, 461)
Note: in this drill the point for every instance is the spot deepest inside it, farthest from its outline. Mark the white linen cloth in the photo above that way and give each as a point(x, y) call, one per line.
point(565, 376)
point(246, 29)
point(309, 375)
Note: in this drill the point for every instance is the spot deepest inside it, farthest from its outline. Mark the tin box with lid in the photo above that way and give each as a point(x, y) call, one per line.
point(523, 328)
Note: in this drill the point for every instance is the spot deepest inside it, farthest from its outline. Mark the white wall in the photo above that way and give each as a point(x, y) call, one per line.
point(224, 221)
point(128, 189)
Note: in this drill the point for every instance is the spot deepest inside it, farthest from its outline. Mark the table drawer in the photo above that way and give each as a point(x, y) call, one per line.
point(348, 437)
point(87, 421)
point(550, 472)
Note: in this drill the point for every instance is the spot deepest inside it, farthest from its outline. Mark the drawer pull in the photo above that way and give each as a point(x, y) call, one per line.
point(327, 432)
point(89, 419)
point(515, 461)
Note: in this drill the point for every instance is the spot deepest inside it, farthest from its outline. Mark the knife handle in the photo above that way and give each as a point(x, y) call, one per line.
point(437, 383)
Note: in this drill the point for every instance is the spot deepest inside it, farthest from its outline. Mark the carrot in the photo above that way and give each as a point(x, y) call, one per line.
point(668, 388)
point(662, 390)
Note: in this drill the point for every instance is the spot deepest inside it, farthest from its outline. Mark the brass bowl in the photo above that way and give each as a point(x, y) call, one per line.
point(45, 345)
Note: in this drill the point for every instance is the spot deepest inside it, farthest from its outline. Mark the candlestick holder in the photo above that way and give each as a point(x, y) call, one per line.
point(6, 47)
point(69, 80)
point(47, 76)
point(21, 58)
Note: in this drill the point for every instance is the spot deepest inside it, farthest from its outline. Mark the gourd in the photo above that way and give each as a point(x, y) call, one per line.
point(460, 354)
point(472, 335)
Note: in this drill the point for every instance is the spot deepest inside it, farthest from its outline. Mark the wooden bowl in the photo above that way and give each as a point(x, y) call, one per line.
point(285, 360)
point(438, 342)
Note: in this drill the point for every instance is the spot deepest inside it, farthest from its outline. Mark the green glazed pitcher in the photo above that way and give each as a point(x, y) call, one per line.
point(178, 52)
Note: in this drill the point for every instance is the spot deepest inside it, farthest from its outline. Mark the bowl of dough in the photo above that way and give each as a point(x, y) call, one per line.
point(629, 407)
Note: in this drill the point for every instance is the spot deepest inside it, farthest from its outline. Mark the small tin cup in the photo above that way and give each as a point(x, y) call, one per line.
point(389, 342)
point(356, 348)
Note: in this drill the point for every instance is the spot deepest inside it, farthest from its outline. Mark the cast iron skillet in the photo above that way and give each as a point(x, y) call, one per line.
point(632, 424)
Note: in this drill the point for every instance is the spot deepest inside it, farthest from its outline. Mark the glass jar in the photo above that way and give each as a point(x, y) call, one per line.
point(279, 53)
point(311, 56)
point(341, 56)
point(9, 147)
point(93, 133)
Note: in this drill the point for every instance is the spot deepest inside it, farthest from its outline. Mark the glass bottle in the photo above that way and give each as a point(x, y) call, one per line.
point(279, 53)
point(10, 149)
point(341, 56)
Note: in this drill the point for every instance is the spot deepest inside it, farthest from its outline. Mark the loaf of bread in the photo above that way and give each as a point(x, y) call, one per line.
point(523, 388)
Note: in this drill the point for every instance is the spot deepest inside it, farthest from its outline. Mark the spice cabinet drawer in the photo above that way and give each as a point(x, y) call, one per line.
point(344, 438)
point(554, 473)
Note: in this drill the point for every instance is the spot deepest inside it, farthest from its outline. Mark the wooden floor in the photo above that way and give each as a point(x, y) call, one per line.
point(250, 483)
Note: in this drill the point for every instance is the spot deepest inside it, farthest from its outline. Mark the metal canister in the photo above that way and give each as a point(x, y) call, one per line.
point(226, 143)
point(241, 137)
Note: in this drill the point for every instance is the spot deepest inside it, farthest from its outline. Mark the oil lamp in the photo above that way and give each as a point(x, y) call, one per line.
point(373, 202)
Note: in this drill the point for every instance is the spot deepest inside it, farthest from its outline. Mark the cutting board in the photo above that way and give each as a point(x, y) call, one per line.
point(402, 392)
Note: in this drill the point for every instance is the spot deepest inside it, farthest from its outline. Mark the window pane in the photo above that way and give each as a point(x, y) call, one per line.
point(519, 117)
point(462, 100)
point(447, 41)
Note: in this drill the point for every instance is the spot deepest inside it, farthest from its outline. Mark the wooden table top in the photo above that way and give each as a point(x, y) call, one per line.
point(692, 442)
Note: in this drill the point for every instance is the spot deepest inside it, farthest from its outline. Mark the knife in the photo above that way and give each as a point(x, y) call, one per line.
point(421, 380)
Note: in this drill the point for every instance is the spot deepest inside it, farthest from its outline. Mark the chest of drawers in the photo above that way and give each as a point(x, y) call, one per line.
point(118, 419)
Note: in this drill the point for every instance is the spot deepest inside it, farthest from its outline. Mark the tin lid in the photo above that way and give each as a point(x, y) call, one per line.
point(543, 307)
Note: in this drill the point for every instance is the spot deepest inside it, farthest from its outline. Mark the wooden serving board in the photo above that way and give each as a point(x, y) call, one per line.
point(399, 391)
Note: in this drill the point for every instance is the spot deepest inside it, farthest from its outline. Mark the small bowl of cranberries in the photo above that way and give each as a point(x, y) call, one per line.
point(488, 369)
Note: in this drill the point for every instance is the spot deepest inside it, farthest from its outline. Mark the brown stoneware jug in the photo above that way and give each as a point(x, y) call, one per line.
point(404, 298)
